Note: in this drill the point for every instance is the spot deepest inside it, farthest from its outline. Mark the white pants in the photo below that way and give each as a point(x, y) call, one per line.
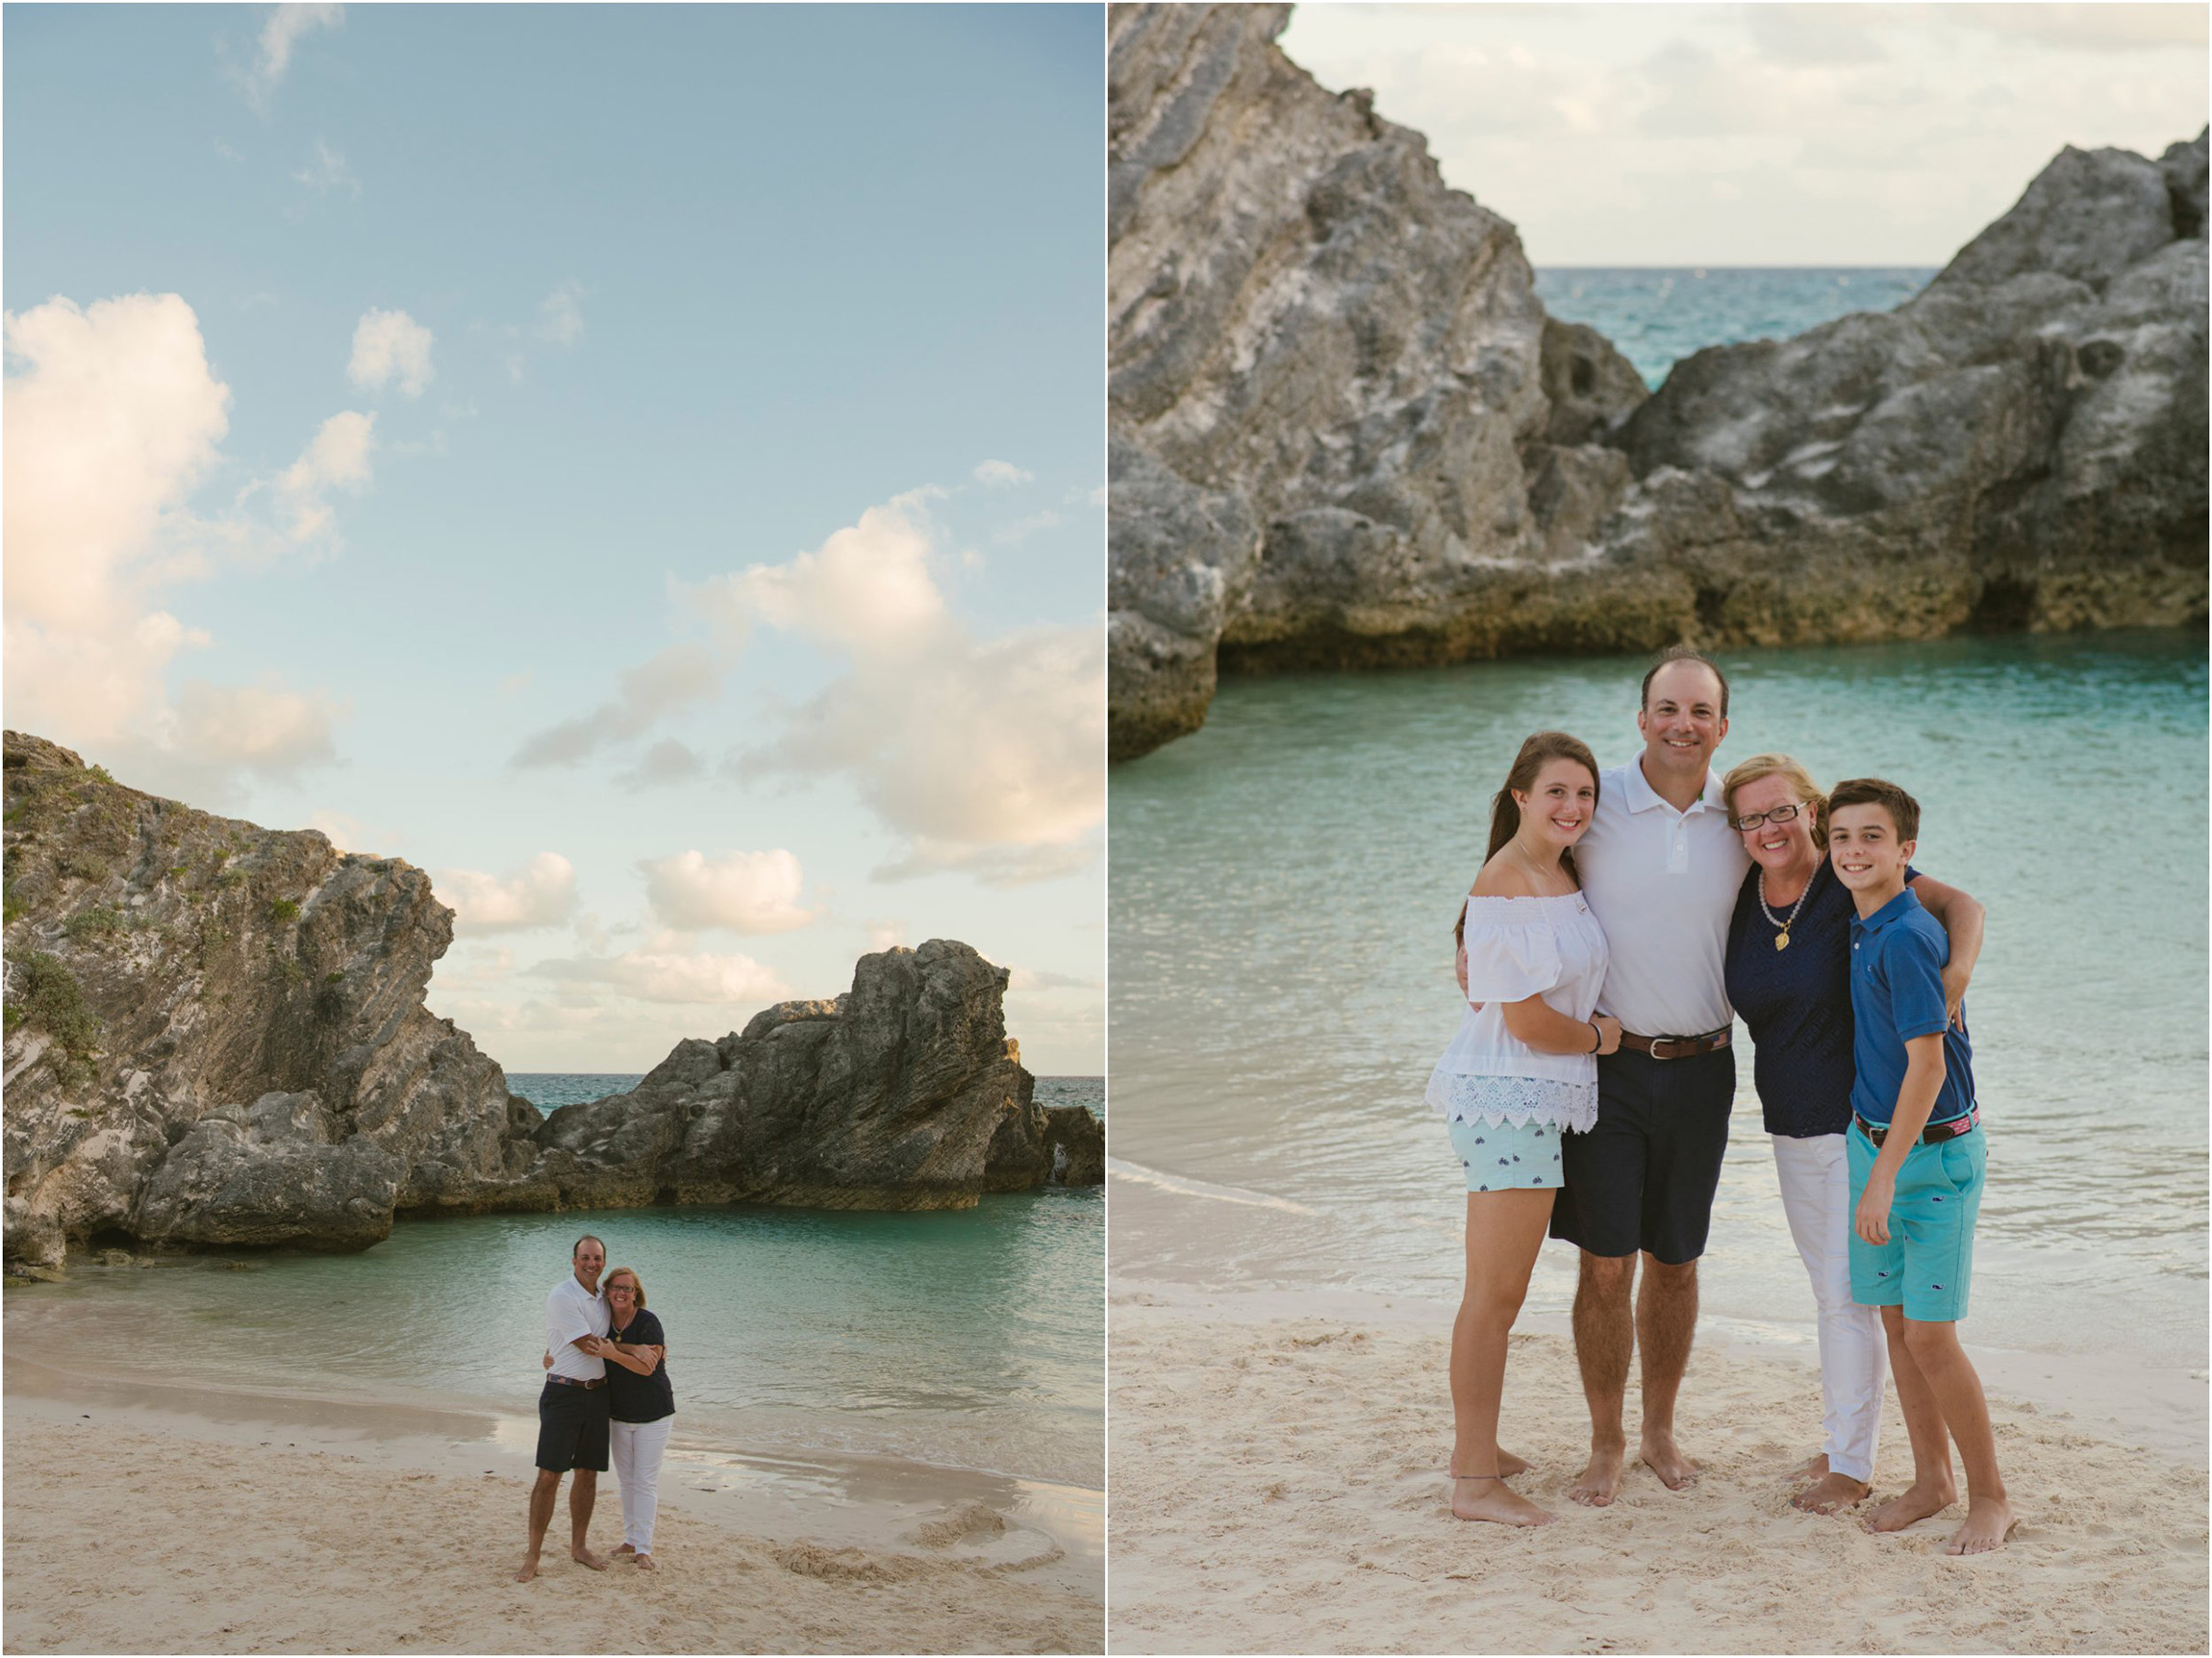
point(635, 1449)
point(1855, 1356)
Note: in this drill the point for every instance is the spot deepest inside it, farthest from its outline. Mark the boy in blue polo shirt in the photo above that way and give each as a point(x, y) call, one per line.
point(1916, 1165)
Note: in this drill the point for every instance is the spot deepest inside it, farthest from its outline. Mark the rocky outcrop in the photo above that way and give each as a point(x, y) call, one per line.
point(2019, 445)
point(216, 1033)
point(216, 1036)
point(905, 1093)
point(1345, 433)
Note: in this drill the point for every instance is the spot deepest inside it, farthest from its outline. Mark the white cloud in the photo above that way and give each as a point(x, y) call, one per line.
point(1000, 474)
point(114, 421)
point(326, 171)
point(390, 345)
point(1022, 529)
point(263, 728)
point(336, 458)
point(989, 755)
point(664, 970)
point(665, 762)
point(677, 676)
point(560, 316)
point(1035, 982)
point(867, 589)
point(541, 894)
point(279, 35)
point(740, 891)
point(886, 935)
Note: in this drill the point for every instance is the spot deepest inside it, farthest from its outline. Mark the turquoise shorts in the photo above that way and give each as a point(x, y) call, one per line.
point(1508, 1159)
point(1926, 1265)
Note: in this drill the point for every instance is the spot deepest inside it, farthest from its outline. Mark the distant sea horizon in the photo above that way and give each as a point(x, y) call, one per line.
point(1658, 315)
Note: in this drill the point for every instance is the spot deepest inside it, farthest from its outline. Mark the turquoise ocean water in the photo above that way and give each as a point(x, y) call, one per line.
point(1284, 887)
point(968, 1339)
point(1283, 884)
point(1658, 316)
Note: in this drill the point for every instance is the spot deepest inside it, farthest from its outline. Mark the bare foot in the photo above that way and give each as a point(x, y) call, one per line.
point(1600, 1481)
point(583, 1556)
point(1811, 1468)
point(529, 1570)
point(1495, 1499)
point(646, 1563)
point(1665, 1458)
point(1831, 1491)
point(1509, 1465)
point(1988, 1521)
point(1916, 1502)
point(624, 1549)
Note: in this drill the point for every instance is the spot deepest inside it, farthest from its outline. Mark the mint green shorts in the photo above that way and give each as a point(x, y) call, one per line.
point(1508, 1159)
point(1926, 1265)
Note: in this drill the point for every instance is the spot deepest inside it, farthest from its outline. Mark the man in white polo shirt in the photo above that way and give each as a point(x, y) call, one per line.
point(572, 1410)
point(1661, 868)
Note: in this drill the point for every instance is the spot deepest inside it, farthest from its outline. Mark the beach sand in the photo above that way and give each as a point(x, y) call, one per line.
point(256, 1524)
point(1278, 1485)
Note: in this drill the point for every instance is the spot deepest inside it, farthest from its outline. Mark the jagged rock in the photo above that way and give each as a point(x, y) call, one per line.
point(216, 1036)
point(2021, 444)
point(1345, 433)
point(1319, 352)
point(905, 1093)
point(164, 967)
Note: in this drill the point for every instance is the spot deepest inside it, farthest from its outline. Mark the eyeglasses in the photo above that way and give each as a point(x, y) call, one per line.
point(621, 1289)
point(1779, 815)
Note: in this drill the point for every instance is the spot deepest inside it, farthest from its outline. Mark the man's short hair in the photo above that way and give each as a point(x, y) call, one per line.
point(1903, 810)
point(1684, 653)
point(588, 1238)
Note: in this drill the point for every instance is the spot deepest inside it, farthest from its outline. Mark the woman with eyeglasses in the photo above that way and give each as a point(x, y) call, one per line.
point(1788, 979)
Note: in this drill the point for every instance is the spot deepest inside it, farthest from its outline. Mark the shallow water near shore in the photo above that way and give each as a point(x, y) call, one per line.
point(965, 1339)
point(1285, 880)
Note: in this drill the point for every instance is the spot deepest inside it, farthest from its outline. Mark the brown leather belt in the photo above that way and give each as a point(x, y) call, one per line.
point(1935, 1134)
point(1675, 1047)
point(578, 1381)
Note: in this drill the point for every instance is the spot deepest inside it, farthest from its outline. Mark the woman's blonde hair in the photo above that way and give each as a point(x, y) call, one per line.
point(631, 1273)
point(1801, 781)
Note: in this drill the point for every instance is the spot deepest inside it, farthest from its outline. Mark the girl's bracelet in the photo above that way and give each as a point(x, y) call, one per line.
point(1597, 1033)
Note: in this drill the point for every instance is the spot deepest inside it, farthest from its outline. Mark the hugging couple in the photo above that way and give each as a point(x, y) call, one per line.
point(1620, 922)
point(606, 1389)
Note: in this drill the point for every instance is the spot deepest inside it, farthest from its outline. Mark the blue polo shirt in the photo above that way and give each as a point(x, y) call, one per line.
point(1897, 957)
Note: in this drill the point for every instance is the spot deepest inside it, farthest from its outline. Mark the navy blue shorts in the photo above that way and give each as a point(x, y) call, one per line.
point(1644, 1177)
point(573, 1427)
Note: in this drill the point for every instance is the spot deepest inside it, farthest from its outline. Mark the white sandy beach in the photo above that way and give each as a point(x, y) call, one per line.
point(1278, 1486)
point(253, 1525)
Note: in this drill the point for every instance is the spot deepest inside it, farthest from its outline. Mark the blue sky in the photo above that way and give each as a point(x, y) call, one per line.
point(642, 465)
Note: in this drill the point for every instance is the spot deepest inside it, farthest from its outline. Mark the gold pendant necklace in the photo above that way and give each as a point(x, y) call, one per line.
point(1782, 937)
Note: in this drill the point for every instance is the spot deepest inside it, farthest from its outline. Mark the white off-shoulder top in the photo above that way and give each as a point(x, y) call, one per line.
point(1517, 948)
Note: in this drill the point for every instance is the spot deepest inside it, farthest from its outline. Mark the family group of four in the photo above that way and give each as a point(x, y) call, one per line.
point(1619, 917)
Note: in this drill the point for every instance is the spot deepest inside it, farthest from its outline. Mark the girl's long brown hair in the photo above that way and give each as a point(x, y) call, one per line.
point(1505, 814)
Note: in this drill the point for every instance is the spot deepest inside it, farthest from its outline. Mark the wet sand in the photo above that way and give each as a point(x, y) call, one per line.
point(199, 1521)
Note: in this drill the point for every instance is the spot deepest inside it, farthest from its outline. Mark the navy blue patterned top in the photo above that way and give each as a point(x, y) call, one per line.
point(1798, 1004)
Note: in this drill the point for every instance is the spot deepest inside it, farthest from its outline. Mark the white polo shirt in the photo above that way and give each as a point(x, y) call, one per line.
point(1662, 884)
point(574, 1310)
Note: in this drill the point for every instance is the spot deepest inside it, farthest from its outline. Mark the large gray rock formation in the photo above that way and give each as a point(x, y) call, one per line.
point(905, 1093)
point(1345, 433)
point(216, 1036)
point(2019, 445)
point(216, 1033)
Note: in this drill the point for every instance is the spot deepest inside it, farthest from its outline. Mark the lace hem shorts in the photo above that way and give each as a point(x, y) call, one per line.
point(1517, 1100)
point(1508, 1157)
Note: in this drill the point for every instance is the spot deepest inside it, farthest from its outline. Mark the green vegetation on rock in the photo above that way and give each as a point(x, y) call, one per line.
point(51, 999)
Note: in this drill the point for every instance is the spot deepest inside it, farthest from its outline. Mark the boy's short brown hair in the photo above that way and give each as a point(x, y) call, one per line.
point(1903, 810)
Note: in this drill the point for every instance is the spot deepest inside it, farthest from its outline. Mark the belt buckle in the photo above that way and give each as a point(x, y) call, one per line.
point(1673, 1045)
